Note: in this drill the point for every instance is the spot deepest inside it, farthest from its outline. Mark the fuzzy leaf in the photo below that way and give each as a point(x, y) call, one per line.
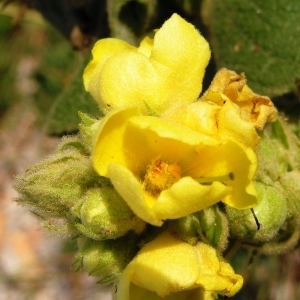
point(63, 116)
point(260, 38)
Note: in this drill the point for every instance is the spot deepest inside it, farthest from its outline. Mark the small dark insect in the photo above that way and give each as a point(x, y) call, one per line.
point(255, 218)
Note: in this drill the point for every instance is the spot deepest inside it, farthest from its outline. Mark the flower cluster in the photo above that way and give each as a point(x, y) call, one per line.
point(169, 154)
point(154, 190)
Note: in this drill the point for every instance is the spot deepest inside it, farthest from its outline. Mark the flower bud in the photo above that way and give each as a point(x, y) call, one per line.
point(105, 259)
point(209, 225)
point(272, 158)
point(271, 213)
point(56, 184)
point(290, 182)
point(105, 215)
point(186, 228)
point(278, 151)
point(214, 226)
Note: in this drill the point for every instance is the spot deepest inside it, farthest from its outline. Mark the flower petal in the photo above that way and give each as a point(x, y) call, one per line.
point(200, 116)
point(109, 141)
point(231, 156)
point(179, 47)
point(102, 51)
point(188, 196)
point(232, 120)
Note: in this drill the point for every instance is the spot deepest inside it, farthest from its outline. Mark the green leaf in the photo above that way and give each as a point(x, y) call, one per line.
point(63, 116)
point(129, 20)
point(260, 38)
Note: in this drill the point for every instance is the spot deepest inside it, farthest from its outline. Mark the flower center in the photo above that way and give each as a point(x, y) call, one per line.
point(160, 175)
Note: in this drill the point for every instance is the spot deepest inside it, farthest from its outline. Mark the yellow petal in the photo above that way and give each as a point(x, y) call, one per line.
point(215, 274)
point(128, 79)
point(109, 141)
point(232, 124)
point(179, 47)
point(102, 51)
point(170, 268)
point(231, 156)
point(188, 196)
point(232, 121)
point(146, 46)
point(200, 116)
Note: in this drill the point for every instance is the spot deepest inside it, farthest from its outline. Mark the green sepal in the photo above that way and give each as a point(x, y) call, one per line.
point(105, 259)
point(209, 225)
point(278, 151)
point(54, 185)
point(271, 213)
point(88, 128)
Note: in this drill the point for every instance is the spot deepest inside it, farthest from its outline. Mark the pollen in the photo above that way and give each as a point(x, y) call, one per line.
point(160, 175)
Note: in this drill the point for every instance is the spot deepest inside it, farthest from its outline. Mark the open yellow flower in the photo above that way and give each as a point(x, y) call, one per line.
point(256, 108)
point(167, 268)
point(164, 71)
point(164, 170)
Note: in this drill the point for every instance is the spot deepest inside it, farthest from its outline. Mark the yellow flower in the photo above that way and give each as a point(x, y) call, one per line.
point(167, 268)
point(256, 108)
point(164, 170)
point(164, 71)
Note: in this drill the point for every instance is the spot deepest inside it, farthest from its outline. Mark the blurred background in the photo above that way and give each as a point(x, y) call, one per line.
point(44, 46)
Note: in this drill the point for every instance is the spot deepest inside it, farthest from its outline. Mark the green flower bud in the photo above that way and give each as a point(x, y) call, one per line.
point(289, 235)
point(283, 132)
point(186, 228)
point(278, 152)
point(209, 225)
point(214, 227)
point(271, 213)
point(272, 160)
point(105, 259)
point(105, 215)
point(290, 182)
point(88, 129)
point(51, 187)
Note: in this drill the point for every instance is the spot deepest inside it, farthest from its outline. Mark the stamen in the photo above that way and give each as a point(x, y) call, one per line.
point(160, 175)
point(227, 177)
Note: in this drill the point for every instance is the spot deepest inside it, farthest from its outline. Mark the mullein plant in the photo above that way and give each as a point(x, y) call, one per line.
point(158, 190)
